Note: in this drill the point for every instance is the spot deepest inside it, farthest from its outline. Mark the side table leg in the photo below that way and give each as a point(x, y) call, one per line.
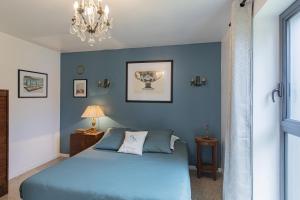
point(214, 162)
point(198, 165)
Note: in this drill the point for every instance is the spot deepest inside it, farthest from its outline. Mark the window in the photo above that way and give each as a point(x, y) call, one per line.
point(294, 66)
point(290, 45)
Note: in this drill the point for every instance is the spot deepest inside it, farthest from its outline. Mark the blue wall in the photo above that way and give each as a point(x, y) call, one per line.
point(191, 107)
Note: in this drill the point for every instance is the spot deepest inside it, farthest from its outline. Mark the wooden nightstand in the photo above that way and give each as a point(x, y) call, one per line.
point(82, 141)
point(207, 167)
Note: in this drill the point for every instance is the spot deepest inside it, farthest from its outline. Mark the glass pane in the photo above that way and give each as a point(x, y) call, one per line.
point(294, 106)
point(292, 166)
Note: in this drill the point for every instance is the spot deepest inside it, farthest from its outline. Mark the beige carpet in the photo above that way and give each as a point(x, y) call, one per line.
point(202, 189)
point(205, 188)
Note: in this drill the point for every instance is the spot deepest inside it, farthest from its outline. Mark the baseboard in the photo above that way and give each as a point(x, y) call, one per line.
point(64, 155)
point(37, 166)
point(193, 167)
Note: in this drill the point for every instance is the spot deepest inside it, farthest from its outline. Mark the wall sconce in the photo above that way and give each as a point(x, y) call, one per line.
point(198, 81)
point(104, 83)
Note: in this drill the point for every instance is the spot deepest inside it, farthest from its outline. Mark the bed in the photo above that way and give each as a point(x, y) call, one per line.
point(103, 174)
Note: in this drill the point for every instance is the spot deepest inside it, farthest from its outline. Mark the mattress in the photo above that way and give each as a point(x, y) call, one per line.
point(103, 174)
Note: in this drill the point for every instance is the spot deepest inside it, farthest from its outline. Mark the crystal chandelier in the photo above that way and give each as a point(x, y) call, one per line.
point(91, 20)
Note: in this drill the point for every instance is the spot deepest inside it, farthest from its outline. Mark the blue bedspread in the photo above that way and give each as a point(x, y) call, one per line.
point(100, 174)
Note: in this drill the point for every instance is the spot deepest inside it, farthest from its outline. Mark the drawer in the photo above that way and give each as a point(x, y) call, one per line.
point(3, 179)
point(80, 142)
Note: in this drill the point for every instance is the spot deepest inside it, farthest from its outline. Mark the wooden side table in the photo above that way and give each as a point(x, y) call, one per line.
point(207, 167)
point(82, 141)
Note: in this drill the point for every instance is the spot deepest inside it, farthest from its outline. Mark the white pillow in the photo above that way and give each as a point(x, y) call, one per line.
point(172, 141)
point(133, 142)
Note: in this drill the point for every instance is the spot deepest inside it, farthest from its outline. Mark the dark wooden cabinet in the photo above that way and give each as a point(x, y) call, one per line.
point(3, 142)
point(82, 141)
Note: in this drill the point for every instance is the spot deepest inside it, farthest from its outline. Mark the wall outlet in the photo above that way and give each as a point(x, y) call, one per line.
point(64, 155)
point(192, 167)
point(220, 170)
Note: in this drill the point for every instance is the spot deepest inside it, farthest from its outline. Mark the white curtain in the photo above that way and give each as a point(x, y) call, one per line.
point(238, 134)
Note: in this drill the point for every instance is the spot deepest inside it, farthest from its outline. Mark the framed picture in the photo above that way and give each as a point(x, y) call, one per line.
point(149, 81)
point(32, 84)
point(80, 88)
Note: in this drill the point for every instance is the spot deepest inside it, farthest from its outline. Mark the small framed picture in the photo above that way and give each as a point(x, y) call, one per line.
point(149, 81)
point(32, 84)
point(80, 88)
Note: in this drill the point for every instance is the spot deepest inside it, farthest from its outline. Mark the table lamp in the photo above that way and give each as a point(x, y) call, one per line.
point(93, 111)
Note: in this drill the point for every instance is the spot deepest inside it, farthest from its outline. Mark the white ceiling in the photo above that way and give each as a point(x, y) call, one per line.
point(137, 23)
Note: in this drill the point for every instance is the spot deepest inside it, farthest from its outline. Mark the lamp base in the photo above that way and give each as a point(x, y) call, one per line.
point(94, 122)
point(91, 131)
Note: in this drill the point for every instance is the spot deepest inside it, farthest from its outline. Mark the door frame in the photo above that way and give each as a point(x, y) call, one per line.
point(5, 93)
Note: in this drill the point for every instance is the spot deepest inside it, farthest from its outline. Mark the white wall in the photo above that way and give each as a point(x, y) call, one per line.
point(266, 114)
point(258, 4)
point(34, 123)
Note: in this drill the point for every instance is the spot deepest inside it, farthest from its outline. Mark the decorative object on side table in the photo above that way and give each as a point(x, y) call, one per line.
point(206, 167)
point(81, 141)
point(93, 112)
point(149, 81)
point(80, 88)
point(32, 84)
point(198, 81)
point(206, 128)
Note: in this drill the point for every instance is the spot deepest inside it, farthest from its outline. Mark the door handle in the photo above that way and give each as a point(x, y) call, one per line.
point(278, 91)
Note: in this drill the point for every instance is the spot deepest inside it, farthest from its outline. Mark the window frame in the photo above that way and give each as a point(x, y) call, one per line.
point(287, 125)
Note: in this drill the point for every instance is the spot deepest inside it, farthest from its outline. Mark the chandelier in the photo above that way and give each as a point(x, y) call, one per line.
point(91, 21)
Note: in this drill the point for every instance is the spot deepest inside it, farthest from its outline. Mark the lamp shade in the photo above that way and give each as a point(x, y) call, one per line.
point(93, 111)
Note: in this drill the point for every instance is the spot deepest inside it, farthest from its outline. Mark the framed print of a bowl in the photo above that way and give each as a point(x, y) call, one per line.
point(32, 84)
point(149, 81)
